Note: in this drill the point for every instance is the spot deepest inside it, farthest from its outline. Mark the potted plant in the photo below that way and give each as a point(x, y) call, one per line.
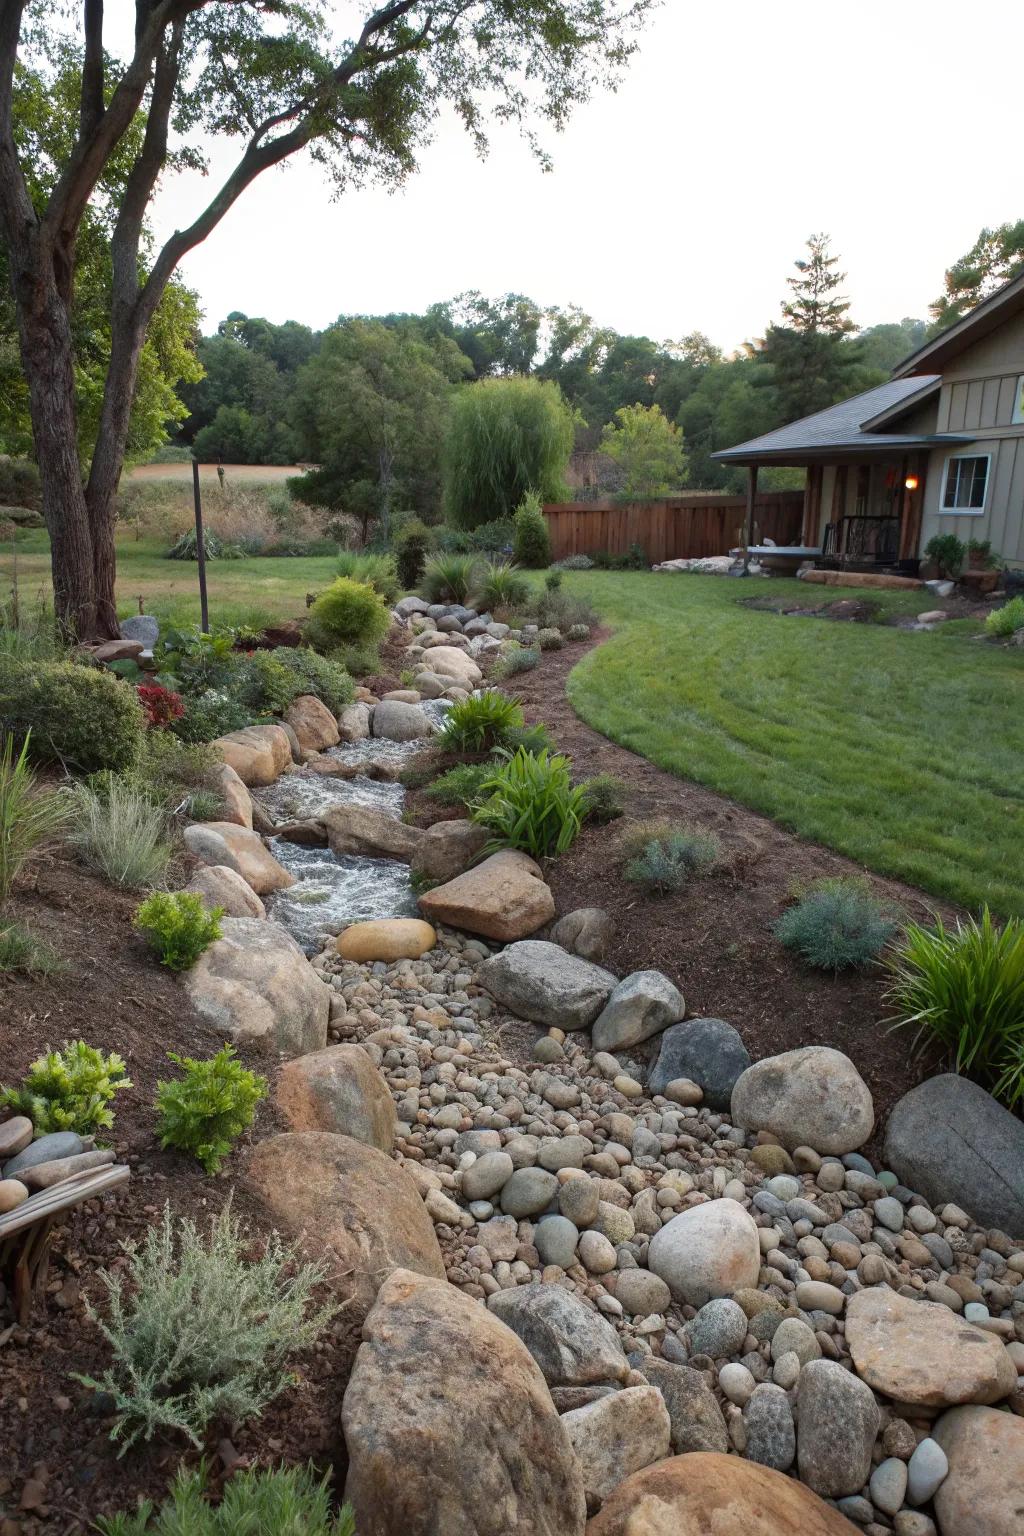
point(948, 553)
point(980, 556)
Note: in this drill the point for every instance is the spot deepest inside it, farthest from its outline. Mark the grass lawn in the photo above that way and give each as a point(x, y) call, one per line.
point(903, 750)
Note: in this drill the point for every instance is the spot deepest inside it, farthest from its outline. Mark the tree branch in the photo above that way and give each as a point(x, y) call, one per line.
point(91, 109)
point(19, 216)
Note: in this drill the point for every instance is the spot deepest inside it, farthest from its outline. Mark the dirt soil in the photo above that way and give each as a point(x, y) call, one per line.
point(58, 1468)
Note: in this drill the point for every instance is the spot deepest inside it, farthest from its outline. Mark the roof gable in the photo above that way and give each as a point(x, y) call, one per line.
point(847, 426)
point(984, 318)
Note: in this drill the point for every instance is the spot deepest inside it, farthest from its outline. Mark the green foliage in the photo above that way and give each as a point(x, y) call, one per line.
point(605, 798)
point(995, 257)
point(204, 1112)
point(561, 610)
point(980, 556)
point(412, 544)
point(648, 449)
point(531, 804)
point(479, 723)
point(574, 563)
point(499, 586)
point(506, 437)
point(121, 834)
point(171, 772)
point(962, 988)
point(69, 1090)
point(948, 552)
point(550, 639)
point(209, 715)
point(531, 542)
point(1007, 620)
point(518, 658)
point(256, 1502)
point(199, 1333)
point(661, 857)
point(493, 538)
point(29, 815)
point(19, 483)
point(836, 925)
point(263, 684)
point(348, 613)
point(578, 632)
point(178, 927)
point(378, 571)
point(553, 581)
point(186, 547)
point(532, 738)
point(316, 674)
point(449, 578)
point(21, 951)
point(28, 634)
point(460, 785)
point(77, 714)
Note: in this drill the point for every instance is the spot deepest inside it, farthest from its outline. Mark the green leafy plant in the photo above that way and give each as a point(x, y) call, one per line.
point(836, 925)
point(27, 634)
point(500, 586)
point(209, 715)
point(205, 1111)
point(69, 1090)
point(532, 738)
point(378, 571)
point(490, 538)
point(319, 675)
point(178, 927)
point(531, 543)
point(518, 658)
point(29, 815)
point(77, 715)
point(449, 578)
point(1007, 620)
point(574, 563)
point(531, 804)
point(22, 951)
point(948, 552)
point(552, 580)
point(290, 1501)
point(962, 989)
point(605, 798)
point(980, 556)
point(479, 723)
point(412, 544)
point(578, 632)
point(198, 1332)
point(264, 684)
point(661, 857)
point(461, 784)
point(348, 612)
point(506, 437)
point(561, 610)
point(121, 835)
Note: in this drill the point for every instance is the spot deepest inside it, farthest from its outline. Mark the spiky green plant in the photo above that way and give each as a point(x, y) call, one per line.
point(288, 1501)
point(69, 1090)
point(480, 722)
point(21, 951)
point(29, 815)
point(501, 586)
point(122, 835)
point(1005, 621)
point(460, 785)
point(178, 927)
point(532, 804)
point(449, 578)
point(662, 857)
point(378, 571)
point(204, 1111)
point(518, 658)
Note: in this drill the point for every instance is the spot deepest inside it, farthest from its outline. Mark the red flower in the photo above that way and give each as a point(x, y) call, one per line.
point(161, 705)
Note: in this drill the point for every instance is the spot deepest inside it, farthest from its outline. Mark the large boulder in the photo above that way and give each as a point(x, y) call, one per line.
point(922, 1352)
point(707, 1051)
point(707, 1494)
point(338, 1089)
point(358, 829)
point(236, 801)
point(313, 724)
point(386, 938)
point(639, 1006)
point(259, 754)
point(502, 898)
point(983, 1492)
point(838, 1423)
point(949, 1140)
point(448, 661)
point(540, 982)
point(354, 722)
point(587, 932)
point(573, 1344)
point(222, 842)
point(447, 849)
point(617, 1435)
point(254, 984)
point(709, 1250)
point(449, 1425)
point(220, 886)
point(811, 1097)
point(396, 721)
point(348, 1205)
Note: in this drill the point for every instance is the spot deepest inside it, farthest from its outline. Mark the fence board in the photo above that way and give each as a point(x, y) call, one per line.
point(673, 527)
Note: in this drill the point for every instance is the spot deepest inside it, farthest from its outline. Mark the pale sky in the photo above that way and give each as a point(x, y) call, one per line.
point(679, 203)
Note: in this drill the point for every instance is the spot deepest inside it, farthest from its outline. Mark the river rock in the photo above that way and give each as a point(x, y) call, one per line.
point(357, 829)
point(839, 1421)
point(926, 1469)
point(573, 1345)
point(812, 1097)
point(587, 932)
point(639, 1006)
point(470, 1443)
point(12, 1194)
point(708, 1494)
point(142, 627)
point(950, 1140)
point(236, 801)
point(15, 1135)
point(528, 1191)
point(46, 1175)
point(338, 1089)
point(354, 722)
point(45, 1150)
point(255, 984)
point(447, 849)
point(709, 1250)
point(314, 725)
point(696, 1419)
point(541, 982)
point(244, 851)
point(771, 1435)
point(401, 722)
point(617, 1435)
point(983, 1493)
point(220, 886)
point(718, 1329)
point(708, 1052)
point(448, 661)
point(486, 1177)
point(386, 938)
point(639, 1292)
point(259, 754)
point(503, 898)
point(555, 1238)
point(921, 1352)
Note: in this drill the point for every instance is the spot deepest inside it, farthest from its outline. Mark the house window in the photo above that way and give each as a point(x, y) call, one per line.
point(965, 483)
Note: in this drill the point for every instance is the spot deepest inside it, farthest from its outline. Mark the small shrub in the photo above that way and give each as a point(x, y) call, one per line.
point(449, 578)
point(378, 571)
point(206, 1111)
point(948, 553)
point(121, 835)
point(531, 543)
point(578, 632)
point(962, 988)
point(186, 546)
point(20, 951)
point(28, 634)
point(19, 483)
point(836, 925)
point(348, 613)
point(1007, 620)
point(553, 580)
point(29, 816)
point(460, 785)
point(161, 706)
point(550, 639)
point(661, 858)
point(69, 1090)
point(532, 738)
point(171, 772)
point(574, 563)
point(263, 684)
point(316, 674)
point(500, 585)
point(980, 556)
point(518, 658)
point(531, 804)
point(479, 723)
point(605, 798)
point(561, 610)
point(494, 537)
point(200, 1334)
point(255, 1502)
point(412, 545)
point(178, 927)
point(77, 715)
point(202, 805)
point(209, 715)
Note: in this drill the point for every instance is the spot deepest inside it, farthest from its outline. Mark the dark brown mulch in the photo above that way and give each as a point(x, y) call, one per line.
point(56, 1450)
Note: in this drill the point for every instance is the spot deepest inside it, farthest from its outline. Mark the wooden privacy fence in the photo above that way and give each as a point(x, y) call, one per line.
point(672, 527)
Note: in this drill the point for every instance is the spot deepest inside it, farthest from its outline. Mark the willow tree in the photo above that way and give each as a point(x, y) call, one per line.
point(356, 86)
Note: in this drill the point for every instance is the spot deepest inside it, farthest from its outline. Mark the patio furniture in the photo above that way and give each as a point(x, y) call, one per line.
point(25, 1232)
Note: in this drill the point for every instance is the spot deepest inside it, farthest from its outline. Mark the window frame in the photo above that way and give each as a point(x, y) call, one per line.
point(964, 511)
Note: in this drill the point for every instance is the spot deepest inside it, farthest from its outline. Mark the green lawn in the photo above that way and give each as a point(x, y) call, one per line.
point(903, 750)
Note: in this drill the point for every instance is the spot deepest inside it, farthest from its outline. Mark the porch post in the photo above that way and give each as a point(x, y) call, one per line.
point(748, 531)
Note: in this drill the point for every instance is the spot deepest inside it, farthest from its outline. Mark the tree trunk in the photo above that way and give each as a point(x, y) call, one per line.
point(107, 463)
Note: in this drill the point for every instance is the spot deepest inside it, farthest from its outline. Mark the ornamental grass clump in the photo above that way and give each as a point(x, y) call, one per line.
point(532, 804)
point(836, 925)
point(605, 798)
point(518, 658)
point(449, 578)
point(479, 723)
point(178, 927)
point(29, 815)
point(121, 834)
point(206, 1110)
point(69, 1090)
point(962, 989)
point(288, 1501)
point(199, 1332)
point(661, 857)
point(500, 586)
point(378, 571)
point(460, 785)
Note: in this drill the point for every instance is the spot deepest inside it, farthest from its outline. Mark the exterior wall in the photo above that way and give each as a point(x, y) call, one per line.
point(1002, 519)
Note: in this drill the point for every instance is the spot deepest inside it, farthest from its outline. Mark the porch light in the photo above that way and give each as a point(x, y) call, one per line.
point(911, 483)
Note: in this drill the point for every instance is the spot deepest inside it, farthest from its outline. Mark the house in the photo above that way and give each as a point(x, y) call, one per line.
point(938, 448)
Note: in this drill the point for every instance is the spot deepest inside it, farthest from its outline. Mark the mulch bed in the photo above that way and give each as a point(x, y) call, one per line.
point(59, 1469)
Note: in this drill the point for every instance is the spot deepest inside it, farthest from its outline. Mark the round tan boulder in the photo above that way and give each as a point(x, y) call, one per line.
point(236, 800)
point(12, 1194)
point(707, 1494)
point(447, 848)
point(449, 661)
point(259, 754)
point(313, 723)
point(222, 842)
point(501, 898)
point(386, 938)
point(921, 1352)
point(255, 984)
point(708, 1251)
point(338, 1089)
point(811, 1097)
point(220, 886)
point(983, 1492)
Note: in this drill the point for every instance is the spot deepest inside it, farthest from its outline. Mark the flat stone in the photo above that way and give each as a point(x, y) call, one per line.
point(46, 1150)
point(236, 801)
point(259, 754)
point(983, 1493)
point(573, 1345)
point(486, 1177)
point(697, 1422)
point(709, 1052)
point(541, 982)
point(338, 1089)
point(888, 1485)
point(920, 1352)
point(503, 898)
point(839, 1421)
point(710, 1250)
point(447, 849)
point(579, 1199)
point(401, 722)
point(641, 1293)
point(360, 830)
point(528, 1191)
point(386, 938)
point(639, 1006)
point(813, 1096)
point(46, 1175)
point(618, 1435)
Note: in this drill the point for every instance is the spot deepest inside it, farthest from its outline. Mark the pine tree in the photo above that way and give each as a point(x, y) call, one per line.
point(813, 361)
point(816, 308)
